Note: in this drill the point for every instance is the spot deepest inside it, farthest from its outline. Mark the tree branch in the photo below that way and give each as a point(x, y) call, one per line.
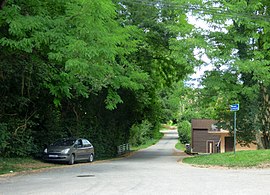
point(24, 126)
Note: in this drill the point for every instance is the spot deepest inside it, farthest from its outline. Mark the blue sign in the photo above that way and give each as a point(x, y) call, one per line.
point(234, 107)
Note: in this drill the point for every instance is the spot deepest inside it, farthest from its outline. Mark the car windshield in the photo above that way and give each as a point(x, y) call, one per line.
point(64, 142)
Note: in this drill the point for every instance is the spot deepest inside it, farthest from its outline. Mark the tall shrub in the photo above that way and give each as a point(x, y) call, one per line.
point(184, 132)
point(140, 133)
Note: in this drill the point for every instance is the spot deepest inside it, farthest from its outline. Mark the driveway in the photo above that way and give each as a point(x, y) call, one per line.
point(155, 170)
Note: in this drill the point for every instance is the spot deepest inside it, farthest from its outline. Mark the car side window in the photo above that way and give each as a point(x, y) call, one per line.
point(79, 143)
point(86, 143)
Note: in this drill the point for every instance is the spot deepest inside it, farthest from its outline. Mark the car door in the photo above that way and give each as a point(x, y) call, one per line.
point(87, 148)
point(80, 149)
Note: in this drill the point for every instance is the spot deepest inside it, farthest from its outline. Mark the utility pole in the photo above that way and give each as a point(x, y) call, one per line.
point(234, 108)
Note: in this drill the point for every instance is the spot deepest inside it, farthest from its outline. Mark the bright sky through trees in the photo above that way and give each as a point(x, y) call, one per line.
point(199, 54)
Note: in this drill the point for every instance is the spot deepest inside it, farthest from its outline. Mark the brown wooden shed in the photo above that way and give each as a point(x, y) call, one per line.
point(202, 140)
point(205, 138)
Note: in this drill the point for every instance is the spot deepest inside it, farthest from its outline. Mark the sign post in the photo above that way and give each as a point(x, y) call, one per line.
point(234, 108)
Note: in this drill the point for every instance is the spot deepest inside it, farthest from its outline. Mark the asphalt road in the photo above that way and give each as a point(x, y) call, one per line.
point(155, 170)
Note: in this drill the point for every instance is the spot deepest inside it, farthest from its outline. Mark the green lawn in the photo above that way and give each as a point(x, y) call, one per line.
point(240, 159)
point(11, 165)
point(180, 146)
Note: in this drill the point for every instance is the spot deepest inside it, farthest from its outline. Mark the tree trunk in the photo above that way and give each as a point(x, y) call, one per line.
point(265, 117)
point(259, 140)
point(266, 141)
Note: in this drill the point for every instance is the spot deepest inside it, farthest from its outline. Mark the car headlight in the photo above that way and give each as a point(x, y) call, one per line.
point(65, 151)
point(45, 150)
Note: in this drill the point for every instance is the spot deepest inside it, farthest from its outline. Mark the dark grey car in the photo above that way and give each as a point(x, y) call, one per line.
point(70, 150)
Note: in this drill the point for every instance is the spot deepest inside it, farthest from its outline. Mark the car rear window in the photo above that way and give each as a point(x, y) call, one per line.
point(86, 143)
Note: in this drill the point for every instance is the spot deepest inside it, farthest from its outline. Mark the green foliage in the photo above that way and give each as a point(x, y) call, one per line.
point(88, 68)
point(20, 145)
point(171, 98)
point(3, 138)
point(140, 133)
point(197, 103)
point(180, 146)
point(112, 100)
point(242, 46)
point(148, 143)
point(18, 142)
point(184, 132)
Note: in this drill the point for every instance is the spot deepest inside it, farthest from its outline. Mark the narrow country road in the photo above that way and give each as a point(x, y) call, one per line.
point(155, 170)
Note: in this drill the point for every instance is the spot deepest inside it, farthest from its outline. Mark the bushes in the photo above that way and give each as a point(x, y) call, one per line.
point(18, 143)
point(140, 133)
point(3, 138)
point(184, 132)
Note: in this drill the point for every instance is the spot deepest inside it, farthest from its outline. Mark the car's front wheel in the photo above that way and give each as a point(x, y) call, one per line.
point(91, 158)
point(72, 159)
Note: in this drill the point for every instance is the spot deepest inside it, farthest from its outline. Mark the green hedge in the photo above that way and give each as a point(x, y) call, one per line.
point(184, 132)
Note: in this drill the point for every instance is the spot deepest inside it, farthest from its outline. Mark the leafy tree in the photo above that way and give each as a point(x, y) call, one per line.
point(58, 52)
point(242, 46)
point(165, 51)
point(88, 68)
point(171, 98)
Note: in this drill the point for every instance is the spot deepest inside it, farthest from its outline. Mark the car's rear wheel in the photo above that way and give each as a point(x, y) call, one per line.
point(72, 159)
point(91, 158)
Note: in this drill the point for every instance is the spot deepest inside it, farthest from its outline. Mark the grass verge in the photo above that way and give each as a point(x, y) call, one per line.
point(148, 143)
point(255, 158)
point(180, 146)
point(12, 165)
